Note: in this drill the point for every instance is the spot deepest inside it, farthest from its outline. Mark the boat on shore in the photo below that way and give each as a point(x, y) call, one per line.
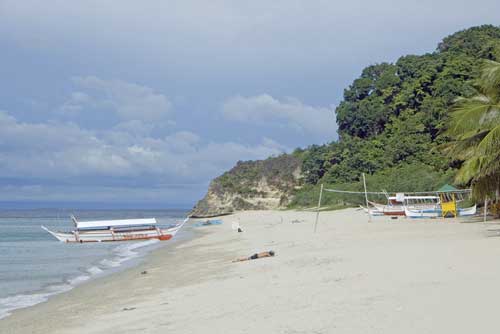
point(417, 206)
point(208, 222)
point(422, 213)
point(422, 206)
point(116, 230)
point(372, 211)
point(388, 209)
point(437, 212)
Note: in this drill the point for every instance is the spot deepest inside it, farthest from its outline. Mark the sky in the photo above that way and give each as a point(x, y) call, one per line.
point(142, 103)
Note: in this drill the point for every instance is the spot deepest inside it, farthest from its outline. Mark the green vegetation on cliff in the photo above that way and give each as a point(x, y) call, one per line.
point(393, 120)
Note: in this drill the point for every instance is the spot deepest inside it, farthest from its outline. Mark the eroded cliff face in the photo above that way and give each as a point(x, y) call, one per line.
point(251, 185)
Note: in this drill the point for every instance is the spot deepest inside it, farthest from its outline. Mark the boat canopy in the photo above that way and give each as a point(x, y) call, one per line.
point(415, 200)
point(422, 197)
point(447, 188)
point(115, 223)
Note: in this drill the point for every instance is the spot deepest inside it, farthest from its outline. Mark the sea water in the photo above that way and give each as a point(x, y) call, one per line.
point(35, 266)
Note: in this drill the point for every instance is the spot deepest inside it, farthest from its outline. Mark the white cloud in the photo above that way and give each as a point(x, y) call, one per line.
point(54, 151)
point(129, 101)
point(134, 127)
point(290, 112)
point(74, 104)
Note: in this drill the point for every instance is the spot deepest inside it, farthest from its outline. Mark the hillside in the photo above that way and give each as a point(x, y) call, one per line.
point(252, 185)
point(391, 123)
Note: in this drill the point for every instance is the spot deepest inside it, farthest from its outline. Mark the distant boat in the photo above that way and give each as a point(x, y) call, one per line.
point(422, 213)
point(389, 209)
point(437, 212)
point(372, 211)
point(208, 223)
point(116, 230)
point(422, 206)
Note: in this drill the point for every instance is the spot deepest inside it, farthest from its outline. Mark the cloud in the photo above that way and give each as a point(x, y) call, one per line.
point(75, 104)
point(178, 61)
point(54, 150)
point(133, 151)
point(129, 101)
point(266, 110)
point(64, 151)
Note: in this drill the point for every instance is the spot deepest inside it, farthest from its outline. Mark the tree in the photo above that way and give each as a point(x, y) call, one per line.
point(475, 126)
point(398, 114)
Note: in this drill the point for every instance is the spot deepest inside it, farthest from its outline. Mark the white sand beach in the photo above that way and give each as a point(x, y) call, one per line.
point(351, 276)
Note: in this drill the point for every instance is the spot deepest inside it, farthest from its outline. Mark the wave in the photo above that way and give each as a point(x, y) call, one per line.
point(8, 304)
point(125, 253)
point(119, 256)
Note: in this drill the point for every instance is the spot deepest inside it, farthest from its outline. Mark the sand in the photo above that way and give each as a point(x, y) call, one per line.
point(351, 276)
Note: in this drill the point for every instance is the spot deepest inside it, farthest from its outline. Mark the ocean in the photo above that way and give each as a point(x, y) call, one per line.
point(35, 266)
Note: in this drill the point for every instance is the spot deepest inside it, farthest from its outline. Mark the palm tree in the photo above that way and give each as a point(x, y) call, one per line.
point(475, 126)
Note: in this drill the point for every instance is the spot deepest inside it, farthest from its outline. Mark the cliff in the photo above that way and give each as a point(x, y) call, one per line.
point(252, 185)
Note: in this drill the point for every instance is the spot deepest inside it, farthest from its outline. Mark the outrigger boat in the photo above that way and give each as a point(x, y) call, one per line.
point(437, 212)
point(431, 206)
point(415, 207)
point(116, 230)
point(422, 206)
point(372, 211)
point(394, 206)
point(389, 209)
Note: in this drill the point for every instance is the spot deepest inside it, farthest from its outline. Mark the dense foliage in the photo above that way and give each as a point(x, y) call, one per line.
point(394, 117)
point(475, 128)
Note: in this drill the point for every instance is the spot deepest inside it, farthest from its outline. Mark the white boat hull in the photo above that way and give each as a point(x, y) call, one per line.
point(389, 210)
point(422, 213)
point(432, 213)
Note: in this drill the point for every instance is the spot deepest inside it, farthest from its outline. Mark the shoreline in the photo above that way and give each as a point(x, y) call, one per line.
point(351, 276)
point(123, 257)
point(123, 273)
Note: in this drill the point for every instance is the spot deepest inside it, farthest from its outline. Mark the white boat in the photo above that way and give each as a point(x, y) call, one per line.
point(437, 212)
point(422, 206)
point(422, 213)
point(116, 230)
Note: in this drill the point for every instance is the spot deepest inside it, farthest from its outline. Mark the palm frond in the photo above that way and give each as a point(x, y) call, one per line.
point(489, 146)
point(475, 125)
point(469, 170)
point(469, 116)
point(486, 186)
point(490, 77)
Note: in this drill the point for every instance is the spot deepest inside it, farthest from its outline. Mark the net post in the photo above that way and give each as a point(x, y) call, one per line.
point(319, 206)
point(366, 198)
